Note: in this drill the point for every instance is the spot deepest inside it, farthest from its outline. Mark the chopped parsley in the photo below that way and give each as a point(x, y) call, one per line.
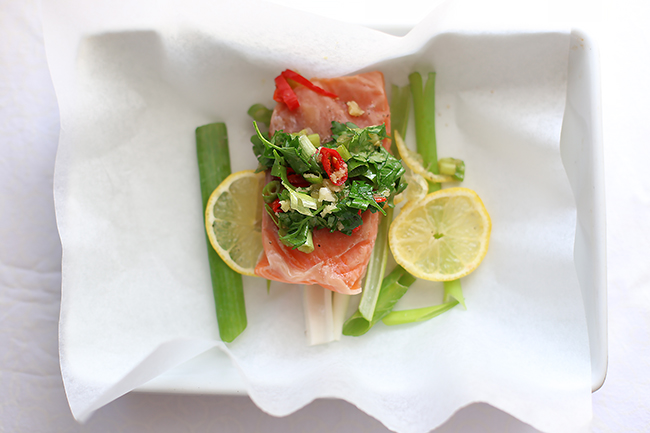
point(311, 196)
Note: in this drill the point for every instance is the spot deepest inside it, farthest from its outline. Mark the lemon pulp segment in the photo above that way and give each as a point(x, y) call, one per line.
point(233, 220)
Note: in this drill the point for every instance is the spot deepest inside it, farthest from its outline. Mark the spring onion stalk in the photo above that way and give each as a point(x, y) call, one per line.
point(340, 303)
point(214, 166)
point(376, 268)
point(393, 288)
point(399, 114)
point(454, 291)
point(324, 313)
point(344, 152)
point(319, 318)
point(270, 191)
point(308, 246)
point(400, 105)
point(313, 178)
point(417, 314)
point(453, 167)
point(306, 147)
point(260, 114)
point(315, 139)
point(424, 111)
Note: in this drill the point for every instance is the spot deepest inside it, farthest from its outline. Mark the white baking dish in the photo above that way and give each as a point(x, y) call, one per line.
point(582, 154)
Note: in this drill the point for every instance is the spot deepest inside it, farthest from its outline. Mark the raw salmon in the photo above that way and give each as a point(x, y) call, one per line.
point(338, 261)
point(316, 112)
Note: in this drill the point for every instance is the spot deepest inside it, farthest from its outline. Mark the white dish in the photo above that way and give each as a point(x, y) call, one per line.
point(582, 154)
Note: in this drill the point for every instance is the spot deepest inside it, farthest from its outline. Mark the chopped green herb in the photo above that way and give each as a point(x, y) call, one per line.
point(310, 195)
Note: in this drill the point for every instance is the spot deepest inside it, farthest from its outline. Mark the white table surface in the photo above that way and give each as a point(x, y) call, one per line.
point(32, 398)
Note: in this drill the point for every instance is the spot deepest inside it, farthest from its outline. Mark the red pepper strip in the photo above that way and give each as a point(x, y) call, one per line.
point(334, 165)
point(284, 93)
point(276, 206)
point(296, 179)
point(291, 75)
point(356, 229)
point(380, 199)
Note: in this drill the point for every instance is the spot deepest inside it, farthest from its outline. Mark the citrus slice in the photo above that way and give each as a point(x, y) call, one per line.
point(414, 161)
point(443, 237)
point(416, 190)
point(233, 220)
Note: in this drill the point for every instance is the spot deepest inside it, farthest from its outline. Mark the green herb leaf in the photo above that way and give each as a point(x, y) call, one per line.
point(297, 235)
point(372, 172)
point(361, 197)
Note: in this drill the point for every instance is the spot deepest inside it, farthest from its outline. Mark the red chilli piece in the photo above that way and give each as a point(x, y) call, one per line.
point(291, 75)
point(297, 180)
point(334, 165)
point(284, 92)
point(276, 206)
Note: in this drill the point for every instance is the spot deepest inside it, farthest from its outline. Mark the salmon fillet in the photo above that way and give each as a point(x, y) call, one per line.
point(316, 112)
point(338, 261)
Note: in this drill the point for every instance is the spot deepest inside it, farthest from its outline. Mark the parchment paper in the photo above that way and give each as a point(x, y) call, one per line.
point(134, 80)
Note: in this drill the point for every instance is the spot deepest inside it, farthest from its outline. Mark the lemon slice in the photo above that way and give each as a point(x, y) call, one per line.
point(443, 237)
point(414, 162)
point(233, 220)
point(416, 190)
point(418, 187)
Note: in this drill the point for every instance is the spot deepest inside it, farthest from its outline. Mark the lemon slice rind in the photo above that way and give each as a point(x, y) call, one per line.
point(411, 161)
